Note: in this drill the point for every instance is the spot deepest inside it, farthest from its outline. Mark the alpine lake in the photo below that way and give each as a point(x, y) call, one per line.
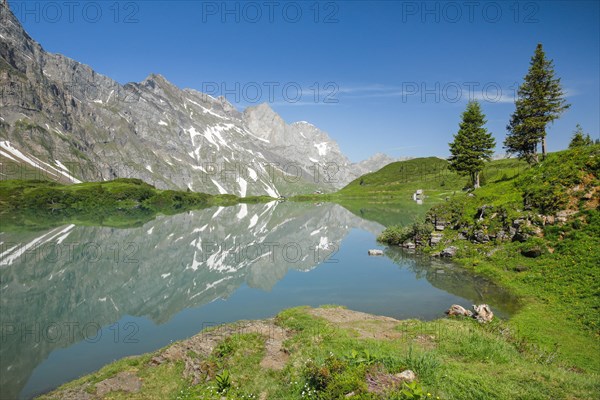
point(75, 298)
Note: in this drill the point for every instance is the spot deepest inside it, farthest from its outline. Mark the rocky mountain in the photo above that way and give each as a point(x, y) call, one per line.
point(374, 163)
point(66, 121)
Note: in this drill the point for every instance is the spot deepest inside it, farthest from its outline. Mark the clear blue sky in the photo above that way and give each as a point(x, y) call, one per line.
point(396, 69)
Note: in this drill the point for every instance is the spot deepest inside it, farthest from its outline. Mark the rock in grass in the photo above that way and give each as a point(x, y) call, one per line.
point(532, 252)
point(480, 236)
point(435, 238)
point(406, 376)
point(502, 236)
point(449, 251)
point(375, 252)
point(455, 309)
point(382, 383)
point(483, 313)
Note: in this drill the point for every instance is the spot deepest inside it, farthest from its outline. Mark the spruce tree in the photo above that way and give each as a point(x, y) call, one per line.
point(580, 139)
point(540, 100)
point(472, 145)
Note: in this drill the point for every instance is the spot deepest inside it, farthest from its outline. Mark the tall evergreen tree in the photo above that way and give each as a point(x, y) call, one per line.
point(540, 100)
point(580, 139)
point(472, 145)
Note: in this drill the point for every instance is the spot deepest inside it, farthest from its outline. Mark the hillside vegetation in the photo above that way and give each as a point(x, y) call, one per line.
point(431, 174)
point(38, 204)
point(537, 234)
point(386, 196)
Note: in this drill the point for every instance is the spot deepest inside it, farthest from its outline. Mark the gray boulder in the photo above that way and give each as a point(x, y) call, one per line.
point(479, 236)
point(449, 251)
point(435, 238)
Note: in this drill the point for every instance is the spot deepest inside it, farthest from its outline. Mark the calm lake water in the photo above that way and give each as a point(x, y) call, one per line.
point(75, 298)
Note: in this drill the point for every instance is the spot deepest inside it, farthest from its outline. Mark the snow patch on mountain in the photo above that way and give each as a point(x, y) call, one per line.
point(252, 174)
point(253, 221)
point(243, 211)
point(321, 148)
point(243, 186)
point(34, 162)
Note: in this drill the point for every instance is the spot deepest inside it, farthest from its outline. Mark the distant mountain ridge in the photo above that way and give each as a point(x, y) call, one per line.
point(61, 117)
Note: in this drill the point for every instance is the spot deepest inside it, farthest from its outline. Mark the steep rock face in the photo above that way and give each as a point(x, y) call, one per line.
point(308, 150)
point(64, 119)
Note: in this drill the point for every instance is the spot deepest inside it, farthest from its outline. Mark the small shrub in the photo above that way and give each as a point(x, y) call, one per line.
point(317, 376)
point(360, 358)
point(225, 348)
point(412, 390)
point(223, 381)
point(330, 379)
point(394, 235)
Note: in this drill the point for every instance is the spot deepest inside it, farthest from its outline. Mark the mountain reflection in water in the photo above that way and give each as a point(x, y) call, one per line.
point(75, 298)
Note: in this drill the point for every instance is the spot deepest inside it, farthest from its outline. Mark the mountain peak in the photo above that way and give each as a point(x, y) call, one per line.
point(264, 108)
point(263, 112)
point(157, 78)
point(157, 81)
point(379, 156)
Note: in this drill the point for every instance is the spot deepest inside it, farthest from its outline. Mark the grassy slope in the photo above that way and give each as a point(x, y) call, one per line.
point(328, 353)
point(430, 174)
point(385, 196)
point(560, 289)
point(119, 203)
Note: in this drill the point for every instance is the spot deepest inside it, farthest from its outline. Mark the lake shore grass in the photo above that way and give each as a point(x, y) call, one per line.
point(335, 353)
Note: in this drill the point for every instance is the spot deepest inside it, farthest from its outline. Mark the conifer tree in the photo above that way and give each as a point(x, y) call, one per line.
point(472, 145)
point(540, 100)
point(580, 139)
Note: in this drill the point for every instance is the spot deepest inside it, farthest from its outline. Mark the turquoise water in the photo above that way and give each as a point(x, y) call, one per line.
point(76, 298)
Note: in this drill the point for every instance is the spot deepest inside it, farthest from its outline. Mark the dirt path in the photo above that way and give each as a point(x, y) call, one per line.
point(367, 326)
